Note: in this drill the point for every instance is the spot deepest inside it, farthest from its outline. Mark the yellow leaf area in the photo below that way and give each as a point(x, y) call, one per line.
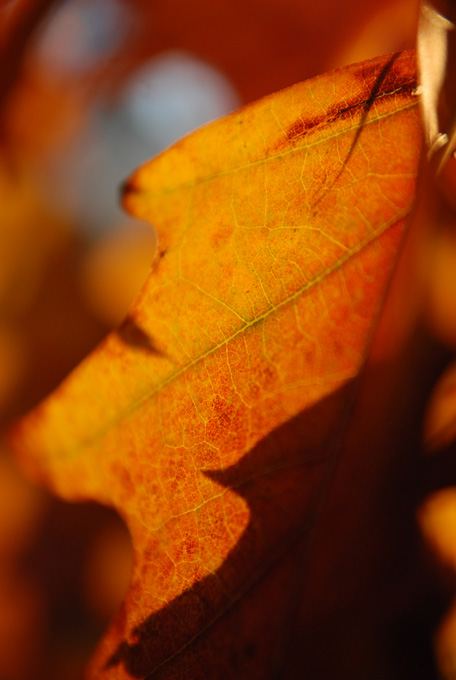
point(209, 418)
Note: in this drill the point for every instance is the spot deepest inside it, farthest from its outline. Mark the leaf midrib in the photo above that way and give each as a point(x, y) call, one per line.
point(125, 413)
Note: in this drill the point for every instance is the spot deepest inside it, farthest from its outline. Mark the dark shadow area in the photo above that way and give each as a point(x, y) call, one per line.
point(371, 594)
point(280, 480)
point(134, 336)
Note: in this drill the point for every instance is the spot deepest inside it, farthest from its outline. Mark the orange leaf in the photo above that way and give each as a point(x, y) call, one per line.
point(213, 418)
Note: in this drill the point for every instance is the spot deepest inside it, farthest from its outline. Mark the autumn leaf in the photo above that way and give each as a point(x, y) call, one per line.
point(220, 415)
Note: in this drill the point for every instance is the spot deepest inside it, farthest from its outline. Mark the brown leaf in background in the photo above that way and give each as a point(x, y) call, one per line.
point(265, 46)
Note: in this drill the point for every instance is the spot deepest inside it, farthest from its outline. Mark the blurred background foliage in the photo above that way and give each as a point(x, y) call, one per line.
point(89, 89)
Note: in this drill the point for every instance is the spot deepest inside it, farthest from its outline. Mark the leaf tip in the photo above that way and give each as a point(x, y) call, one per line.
point(128, 189)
